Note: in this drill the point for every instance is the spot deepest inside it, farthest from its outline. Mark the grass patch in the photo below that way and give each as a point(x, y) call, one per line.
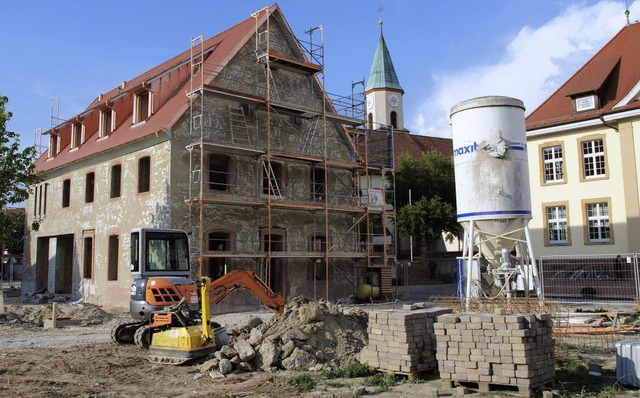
point(334, 384)
point(384, 381)
point(573, 377)
point(354, 369)
point(303, 383)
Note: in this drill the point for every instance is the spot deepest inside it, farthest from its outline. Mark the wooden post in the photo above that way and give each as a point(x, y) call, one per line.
point(2, 309)
point(54, 315)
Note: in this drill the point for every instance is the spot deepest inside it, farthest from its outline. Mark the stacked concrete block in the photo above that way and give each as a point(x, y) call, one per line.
point(515, 350)
point(402, 341)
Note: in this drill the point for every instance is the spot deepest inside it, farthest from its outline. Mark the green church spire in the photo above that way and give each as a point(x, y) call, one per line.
point(382, 74)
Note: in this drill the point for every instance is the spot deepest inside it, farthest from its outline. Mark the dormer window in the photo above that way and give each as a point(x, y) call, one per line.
point(77, 133)
point(107, 122)
point(585, 103)
point(141, 106)
point(53, 145)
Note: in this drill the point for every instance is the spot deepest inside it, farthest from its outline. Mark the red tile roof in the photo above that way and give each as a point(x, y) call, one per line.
point(415, 145)
point(611, 74)
point(171, 78)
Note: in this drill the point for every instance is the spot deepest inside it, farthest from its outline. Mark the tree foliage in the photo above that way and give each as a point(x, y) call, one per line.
point(432, 183)
point(16, 176)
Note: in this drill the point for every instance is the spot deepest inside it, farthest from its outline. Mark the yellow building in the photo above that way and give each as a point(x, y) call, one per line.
point(582, 156)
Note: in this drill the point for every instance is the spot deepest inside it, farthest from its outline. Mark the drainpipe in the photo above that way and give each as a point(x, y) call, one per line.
point(608, 125)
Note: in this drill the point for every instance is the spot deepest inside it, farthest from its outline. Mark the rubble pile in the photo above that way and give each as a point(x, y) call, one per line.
point(81, 314)
point(309, 335)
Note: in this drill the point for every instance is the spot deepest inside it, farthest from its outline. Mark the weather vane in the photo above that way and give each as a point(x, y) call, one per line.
point(380, 12)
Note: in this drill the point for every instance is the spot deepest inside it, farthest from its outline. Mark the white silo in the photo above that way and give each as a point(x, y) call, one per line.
point(492, 184)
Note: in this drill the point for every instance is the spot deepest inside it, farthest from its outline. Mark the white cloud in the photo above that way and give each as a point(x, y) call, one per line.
point(535, 63)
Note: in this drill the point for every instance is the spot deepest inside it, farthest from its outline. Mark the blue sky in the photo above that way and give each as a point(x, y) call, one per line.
point(444, 52)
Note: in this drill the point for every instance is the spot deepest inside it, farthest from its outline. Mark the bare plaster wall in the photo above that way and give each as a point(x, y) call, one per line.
point(105, 216)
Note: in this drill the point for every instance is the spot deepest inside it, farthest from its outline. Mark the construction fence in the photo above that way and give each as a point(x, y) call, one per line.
point(573, 278)
point(602, 278)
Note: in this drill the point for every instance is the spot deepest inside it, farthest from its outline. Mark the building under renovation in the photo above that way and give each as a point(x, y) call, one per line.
point(236, 142)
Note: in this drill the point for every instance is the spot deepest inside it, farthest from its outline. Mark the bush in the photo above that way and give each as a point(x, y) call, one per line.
point(384, 381)
point(302, 383)
point(354, 369)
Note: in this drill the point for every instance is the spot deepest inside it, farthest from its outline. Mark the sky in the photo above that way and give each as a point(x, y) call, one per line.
point(444, 52)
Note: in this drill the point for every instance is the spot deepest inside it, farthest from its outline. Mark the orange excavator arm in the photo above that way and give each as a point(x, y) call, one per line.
point(240, 279)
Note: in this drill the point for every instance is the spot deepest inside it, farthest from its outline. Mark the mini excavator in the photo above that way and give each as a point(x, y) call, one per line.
point(170, 313)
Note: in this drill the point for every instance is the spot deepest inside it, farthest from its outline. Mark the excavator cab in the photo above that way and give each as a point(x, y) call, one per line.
point(159, 252)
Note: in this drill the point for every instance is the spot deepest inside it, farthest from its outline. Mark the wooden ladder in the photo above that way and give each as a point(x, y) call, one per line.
point(238, 126)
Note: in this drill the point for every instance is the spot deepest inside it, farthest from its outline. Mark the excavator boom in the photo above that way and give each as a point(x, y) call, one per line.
point(241, 279)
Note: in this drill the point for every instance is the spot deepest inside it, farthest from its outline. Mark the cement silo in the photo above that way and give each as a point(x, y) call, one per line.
point(492, 187)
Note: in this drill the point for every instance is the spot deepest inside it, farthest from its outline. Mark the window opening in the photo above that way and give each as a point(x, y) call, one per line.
point(144, 174)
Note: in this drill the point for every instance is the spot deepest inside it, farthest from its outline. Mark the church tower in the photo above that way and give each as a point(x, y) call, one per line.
point(383, 94)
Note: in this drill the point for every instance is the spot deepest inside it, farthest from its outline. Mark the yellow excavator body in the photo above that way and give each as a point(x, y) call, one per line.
point(179, 344)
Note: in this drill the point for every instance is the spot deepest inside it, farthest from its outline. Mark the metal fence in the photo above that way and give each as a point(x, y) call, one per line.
point(590, 278)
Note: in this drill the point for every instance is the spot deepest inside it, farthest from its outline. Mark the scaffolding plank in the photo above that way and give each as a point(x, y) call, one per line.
point(281, 59)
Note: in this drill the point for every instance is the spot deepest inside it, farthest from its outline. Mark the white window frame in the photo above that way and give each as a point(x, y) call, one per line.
point(111, 127)
point(556, 164)
point(595, 157)
point(74, 134)
point(585, 103)
point(136, 115)
point(557, 222)
point(600, 222)
point(54, 145)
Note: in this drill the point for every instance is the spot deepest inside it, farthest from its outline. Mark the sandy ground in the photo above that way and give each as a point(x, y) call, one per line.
point(80, 360)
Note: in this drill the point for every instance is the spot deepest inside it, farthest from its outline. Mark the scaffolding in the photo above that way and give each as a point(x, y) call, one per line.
point(269, 111)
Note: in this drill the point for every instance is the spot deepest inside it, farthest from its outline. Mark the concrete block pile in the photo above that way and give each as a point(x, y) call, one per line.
point(515, 350)
point(402, 341)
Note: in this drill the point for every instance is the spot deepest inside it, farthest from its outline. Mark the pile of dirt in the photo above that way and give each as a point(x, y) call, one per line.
point(309, 335)
point(77, 313)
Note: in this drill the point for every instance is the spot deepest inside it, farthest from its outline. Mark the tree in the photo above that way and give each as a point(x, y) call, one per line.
point(433, 210)
point(16, 176)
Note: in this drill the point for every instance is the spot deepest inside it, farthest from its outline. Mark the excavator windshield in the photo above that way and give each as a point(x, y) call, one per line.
point(166, 252)
point(158, 251)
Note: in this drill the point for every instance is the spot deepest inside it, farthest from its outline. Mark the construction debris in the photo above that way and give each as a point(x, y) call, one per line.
point(310, 335)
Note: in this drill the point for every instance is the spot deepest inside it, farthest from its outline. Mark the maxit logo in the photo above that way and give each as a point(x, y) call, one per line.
point(465, 149)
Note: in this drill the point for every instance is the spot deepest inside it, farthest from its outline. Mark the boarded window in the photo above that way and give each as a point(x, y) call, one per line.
point(87, 257)
point(112, 272)
point(116, 181)
point(90, 182)
point(66, 192)
point(144, 174)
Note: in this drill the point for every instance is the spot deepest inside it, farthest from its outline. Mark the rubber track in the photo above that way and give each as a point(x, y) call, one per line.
point(117, 329)
point(141, 338)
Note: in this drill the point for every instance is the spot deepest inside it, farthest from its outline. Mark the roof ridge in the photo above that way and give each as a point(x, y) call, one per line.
point(579, 70)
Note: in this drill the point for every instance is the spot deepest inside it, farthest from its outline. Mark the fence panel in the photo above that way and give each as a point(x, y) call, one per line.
point(590, 278)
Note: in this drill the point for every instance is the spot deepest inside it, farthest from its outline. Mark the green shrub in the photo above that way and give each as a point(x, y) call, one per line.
point(354, 369)
point(302, 383)
point(384, 381)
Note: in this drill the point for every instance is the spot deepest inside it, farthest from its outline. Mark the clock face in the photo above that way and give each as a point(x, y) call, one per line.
point(369, 102)
point(394, 101)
